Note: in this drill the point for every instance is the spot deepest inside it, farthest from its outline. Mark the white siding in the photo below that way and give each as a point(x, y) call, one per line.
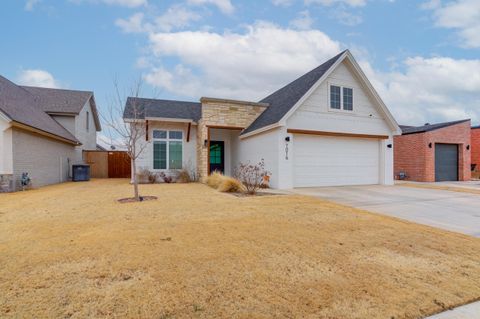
point(366, 118)
point(6, 160)
point(315, 112)
point(88, 138)
point(266, 145)
point(189, 152)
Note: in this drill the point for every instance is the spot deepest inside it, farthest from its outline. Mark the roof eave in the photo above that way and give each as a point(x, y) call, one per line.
point(44, 133)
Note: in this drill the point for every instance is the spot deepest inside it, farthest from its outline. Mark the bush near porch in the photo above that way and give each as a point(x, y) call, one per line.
point(71, 250)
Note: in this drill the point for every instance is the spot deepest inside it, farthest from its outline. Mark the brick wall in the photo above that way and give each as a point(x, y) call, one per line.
point(222, 113)
point(413, 156)
point(475, 146)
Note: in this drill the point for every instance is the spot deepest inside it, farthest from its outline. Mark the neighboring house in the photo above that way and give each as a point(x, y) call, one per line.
point(476, 150)
point(328, 127)
point(434, 152)
point(43, 132)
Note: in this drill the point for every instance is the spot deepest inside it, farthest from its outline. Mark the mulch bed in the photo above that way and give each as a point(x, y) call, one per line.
point(132, 199)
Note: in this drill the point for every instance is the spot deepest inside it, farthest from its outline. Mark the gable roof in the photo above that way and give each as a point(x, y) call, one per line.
point(147, 108)
point(64, 101)
point(428, 127)
point(282, 100)
point(21, 107)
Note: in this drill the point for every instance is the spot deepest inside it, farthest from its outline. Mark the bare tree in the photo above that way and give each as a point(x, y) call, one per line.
point(128, 132)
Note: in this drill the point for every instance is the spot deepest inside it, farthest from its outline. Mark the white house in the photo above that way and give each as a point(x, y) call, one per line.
point(328, 127)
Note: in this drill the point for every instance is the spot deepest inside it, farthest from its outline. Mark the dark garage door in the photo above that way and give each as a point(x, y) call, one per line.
point(446, 162)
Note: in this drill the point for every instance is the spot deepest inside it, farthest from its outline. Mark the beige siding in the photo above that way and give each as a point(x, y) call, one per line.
point(5, 147)
point(88, 137)
point(67, 122)
point(45, 159)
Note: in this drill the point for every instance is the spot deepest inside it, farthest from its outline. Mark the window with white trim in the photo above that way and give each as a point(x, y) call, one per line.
point(341, 98)
point(167, 149)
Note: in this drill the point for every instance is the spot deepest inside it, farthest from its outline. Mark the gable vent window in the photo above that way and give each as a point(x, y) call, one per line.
point(341, 98)
point(88, 121)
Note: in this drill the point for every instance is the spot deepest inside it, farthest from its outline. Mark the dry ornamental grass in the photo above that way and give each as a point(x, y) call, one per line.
point(73, 251)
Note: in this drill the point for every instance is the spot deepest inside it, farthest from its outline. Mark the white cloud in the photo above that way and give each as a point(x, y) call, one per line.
point(225, 6)
point(123, 3)
point(282, 3)
point(35, 77)
point(430, 89)
point(176, 17)
point(245, 65)
point(352, 3)
point(30, 4)
point(303, 21)
point(460, 15)
point(134, 24)
point(347, 18)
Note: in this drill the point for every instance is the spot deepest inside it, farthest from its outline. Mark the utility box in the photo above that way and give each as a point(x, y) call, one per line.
point(80, 173)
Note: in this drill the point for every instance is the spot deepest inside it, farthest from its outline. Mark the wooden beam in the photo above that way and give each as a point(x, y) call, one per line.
point(188, 131)
point(208, 150)
point(310, 132)
point(225, 127)
point(146, 130)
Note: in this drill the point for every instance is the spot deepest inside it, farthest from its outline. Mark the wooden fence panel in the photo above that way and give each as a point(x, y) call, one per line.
point(119, 165)
point(108, 164)
point(98, 162)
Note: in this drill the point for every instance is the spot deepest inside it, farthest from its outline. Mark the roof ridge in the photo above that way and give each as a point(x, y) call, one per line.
point(54, 89)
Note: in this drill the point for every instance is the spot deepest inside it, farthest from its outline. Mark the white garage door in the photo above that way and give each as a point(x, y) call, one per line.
point(335, 161)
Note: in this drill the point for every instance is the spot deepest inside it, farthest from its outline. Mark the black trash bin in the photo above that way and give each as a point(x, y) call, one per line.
point(81, 173)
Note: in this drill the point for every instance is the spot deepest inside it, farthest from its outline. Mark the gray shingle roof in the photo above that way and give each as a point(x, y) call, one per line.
point(63, 101)
point(162, 108)
point(281, 101)
point(20, 106)
point(428, 127)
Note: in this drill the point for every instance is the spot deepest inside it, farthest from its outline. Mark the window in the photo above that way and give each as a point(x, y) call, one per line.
point(167, 152)
point(335, 98)
point(341, 98)
point(88, 121)
point(348, 99)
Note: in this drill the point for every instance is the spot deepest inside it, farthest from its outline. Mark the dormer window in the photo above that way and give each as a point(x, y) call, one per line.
point(341, 98)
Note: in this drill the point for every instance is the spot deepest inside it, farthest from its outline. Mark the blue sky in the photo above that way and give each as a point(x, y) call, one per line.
point(422, 56)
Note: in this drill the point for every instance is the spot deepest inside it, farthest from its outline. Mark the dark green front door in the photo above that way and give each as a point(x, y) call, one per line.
point(217, 156)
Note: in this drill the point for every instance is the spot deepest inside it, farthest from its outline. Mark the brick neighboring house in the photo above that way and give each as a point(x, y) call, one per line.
point(434, 152)
point(328, 127)
point(476, 151)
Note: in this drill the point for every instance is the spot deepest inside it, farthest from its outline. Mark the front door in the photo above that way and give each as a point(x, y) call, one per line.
point(217, 156)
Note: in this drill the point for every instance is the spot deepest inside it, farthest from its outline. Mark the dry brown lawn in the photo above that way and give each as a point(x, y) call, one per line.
point(72, 251)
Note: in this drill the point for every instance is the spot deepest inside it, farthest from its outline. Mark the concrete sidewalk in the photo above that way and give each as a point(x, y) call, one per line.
point(470, 311)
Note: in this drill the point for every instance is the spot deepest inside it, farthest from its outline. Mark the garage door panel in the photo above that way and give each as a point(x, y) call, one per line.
point(331, 161)
point(446, 162)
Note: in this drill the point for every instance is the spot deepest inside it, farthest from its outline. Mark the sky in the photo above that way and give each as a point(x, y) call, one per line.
point(421, 56)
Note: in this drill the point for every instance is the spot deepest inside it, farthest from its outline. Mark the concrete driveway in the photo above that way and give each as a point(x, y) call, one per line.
point(459, 212)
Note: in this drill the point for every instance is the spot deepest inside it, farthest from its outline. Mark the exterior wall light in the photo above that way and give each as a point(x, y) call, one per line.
point(205, 143)
point(389, 145)
point(287, 139)
point(468, 147)
point(429, 145)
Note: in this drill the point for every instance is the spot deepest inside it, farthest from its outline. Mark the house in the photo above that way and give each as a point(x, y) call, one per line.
point(475, 135)
point(328, 127)
point(43, 132)
point(433, 152)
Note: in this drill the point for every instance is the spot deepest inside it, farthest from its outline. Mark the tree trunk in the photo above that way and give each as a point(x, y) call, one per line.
point(135, 181)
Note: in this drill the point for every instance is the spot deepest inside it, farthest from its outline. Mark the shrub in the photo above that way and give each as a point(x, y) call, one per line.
point(183, 176)
point(225, 184)
point(252, 176)
point(231, 185)
point(147, 176)
point(166, 179)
